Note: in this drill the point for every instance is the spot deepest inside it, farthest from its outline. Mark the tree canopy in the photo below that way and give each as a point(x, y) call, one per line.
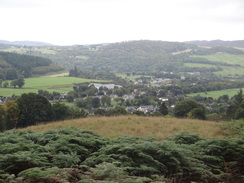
point(34, 108)
point(184, 107)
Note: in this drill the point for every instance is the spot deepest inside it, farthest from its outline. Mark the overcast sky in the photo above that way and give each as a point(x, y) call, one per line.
point(67, 22)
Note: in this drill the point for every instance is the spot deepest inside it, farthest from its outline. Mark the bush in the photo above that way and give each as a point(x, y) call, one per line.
point(54, 156)
point(198, 113)
point(184, 138)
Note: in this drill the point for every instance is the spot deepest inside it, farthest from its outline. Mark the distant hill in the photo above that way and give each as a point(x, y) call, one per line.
point(218, 43)
point(144, 57)
point(13, 65)
point(135, 56)
point(25, 43)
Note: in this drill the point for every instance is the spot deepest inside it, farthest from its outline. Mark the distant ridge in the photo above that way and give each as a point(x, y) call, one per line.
point(217, 43)
point(25, 43)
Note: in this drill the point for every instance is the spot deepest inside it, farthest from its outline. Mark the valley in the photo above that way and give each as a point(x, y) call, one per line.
point(135, 111)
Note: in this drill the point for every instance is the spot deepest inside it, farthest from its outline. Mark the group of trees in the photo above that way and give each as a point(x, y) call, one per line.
point(78, 156)
point(190, 108)
point(13, 65)
point(138, 57)
point(92, 74)
point(31, 109)
point(236, 109)
point(16, 82)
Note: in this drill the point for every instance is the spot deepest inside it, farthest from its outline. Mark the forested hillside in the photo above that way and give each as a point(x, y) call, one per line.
point(136, 56)
point(144, 57)
point(12, 65)
point(214, 43)
point(25, 43)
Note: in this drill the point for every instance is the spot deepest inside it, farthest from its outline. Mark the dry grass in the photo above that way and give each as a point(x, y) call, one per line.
point(158, 127)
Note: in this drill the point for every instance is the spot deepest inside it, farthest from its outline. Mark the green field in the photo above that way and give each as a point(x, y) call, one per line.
point(51, 84)
point(231, 71)
point(216, 94)
point(198, 65)
point(131, 76)
point(224, 57)
point(24, 50)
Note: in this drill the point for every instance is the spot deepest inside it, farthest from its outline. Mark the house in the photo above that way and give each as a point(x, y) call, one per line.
point(182, 77)
point(63, 95)
point(128, 97)
point(130, 110)
point(147, 109)
point(163, 99)
point(109, 86)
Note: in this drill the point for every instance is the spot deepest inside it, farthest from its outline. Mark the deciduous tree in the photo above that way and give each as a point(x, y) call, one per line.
point(184, 107)
point(12, 114)
point(34, 109)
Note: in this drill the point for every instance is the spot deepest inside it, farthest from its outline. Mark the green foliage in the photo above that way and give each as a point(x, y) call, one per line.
point(4, 177)
point(34, 109)
point(108, 171)
point(235, 128)
point(60, 111)
point(236, 109)
point(63, 160)
point(11, 114)
point(92, 74)
point(10, 74)
point(42, 175)
point(135, 56)
point(47, 69)
point(6, 84)
point(184, 107)
point(184, 138)
point(25, 64)
point(198, 113)
point(21, 160)
point(55, 155)
point(75, 112)
point(116, 111)
point(2, 119)
point(163, 109)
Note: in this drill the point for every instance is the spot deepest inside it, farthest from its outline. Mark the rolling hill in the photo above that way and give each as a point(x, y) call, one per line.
point(25, 43)
point(13, 64)
point(146, 57)
point(216, 43)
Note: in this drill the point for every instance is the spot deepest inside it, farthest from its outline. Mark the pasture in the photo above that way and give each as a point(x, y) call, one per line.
point(24, 50)
point(131, 76)
point(50, 84)
point(226, 58)
point(216, 94)
point(198, 65)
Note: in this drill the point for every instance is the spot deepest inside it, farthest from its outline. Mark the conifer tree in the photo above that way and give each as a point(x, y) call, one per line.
point(163, 109)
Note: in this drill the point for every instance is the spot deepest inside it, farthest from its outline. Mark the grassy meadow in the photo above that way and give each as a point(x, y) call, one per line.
point(24, 50)
point(226, 58)
point(131, 76)
point(198, 65)
point(51, 84)
point(158, 127)
point(216, 94)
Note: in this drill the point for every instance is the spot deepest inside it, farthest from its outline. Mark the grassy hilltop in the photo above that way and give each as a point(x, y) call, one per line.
point(158, 127)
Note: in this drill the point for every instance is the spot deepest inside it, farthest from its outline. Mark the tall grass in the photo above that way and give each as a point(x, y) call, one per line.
point(158, 127)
